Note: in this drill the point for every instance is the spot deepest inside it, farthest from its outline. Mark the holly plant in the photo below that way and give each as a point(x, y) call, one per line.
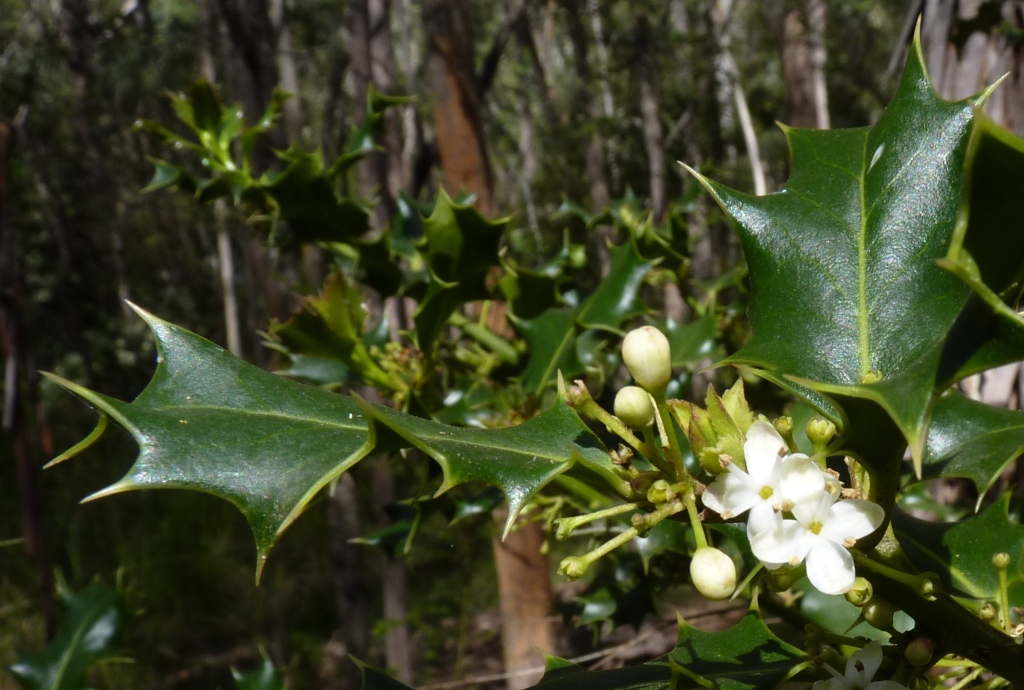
point(885, 271)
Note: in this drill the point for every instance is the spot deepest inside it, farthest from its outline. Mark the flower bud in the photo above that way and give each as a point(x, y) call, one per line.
point(820, 433)
point(648, 357)
point(878, 612)
point(574, 567)
point(860, 593)
point(660, 492)
point(987, 611)
point(919, 652)
point(633, 406)
point(713, 573)
point(1001, 560)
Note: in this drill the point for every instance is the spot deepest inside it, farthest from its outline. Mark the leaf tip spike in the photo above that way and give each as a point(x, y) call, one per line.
point(118, 487)
point(261, 560)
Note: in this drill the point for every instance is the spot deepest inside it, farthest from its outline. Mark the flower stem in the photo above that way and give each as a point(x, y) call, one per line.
point(653, 453)
point(921, 584)
point(567, 525)
point(968, 678)
point(698, 526)
point(668, 428)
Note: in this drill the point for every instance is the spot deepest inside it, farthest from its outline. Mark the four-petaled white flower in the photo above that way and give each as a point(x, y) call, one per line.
point(774, 480)
point(860, 670)
point(823, 531)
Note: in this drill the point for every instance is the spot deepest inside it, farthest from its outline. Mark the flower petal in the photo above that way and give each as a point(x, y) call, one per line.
point(852, 517)
point(863, 664)
point(800, 478)
point(762, 517)
point(814, 508)
point(829, 568)
point(786, 542)
point(761, 450)
point(729, 494)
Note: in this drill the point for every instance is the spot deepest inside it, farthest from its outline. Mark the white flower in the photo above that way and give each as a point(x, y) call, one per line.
point(713, 573)
point(860, 669)
point(823, 531)
point(773, 482)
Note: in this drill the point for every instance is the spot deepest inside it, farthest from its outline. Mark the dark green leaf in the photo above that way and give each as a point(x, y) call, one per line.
point(961, 553)
point(842, 255)
point(694, 341)
point(666, 536)
point(90, 629)
point(210, 422)
point(519, 460)
point(164, 175)
point(970, 439)
point(551, 338)
point(460, 247)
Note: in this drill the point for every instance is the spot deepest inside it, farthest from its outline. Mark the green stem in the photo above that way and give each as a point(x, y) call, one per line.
point(968, 678)
point(498, 345)
point(652, 453)
point(651, 519)
point(1004, 600)
point(909, 579)
point(674, 453)
point(698, 526)
point(567, 525)
point(588, 494)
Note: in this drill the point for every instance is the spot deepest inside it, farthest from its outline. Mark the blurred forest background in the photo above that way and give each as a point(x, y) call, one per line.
point(523, 103)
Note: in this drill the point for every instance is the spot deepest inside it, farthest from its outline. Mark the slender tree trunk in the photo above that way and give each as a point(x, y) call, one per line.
point(817, 18)
point(525, 596)
point(607, 103)
point(285, 55)
point(651, 117)
point(225, 258)
point(18, 393)
point(796, 69)
point(456, 102)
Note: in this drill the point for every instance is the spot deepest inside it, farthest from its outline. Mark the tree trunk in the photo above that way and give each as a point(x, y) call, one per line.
point(796, 69)
point(456, 102)
point(525, 596)
point(18, 385)
point(285, 55)
point(225, 258)
point(650, 117)
point(816, 25)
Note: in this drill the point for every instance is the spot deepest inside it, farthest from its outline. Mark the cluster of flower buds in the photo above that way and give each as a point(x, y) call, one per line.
point(795, 509)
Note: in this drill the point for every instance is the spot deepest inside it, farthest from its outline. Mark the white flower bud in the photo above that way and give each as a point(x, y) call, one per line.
point(633, 406)
point(648, 357)
point(713, 573)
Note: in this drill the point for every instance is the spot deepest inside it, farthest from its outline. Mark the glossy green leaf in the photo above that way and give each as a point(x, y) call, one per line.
point(847, 250)
point(667, 536)
point(210, 422)
point(961, 553)
point(330, 325)
point(970, 439)
point(519, 460)
point(551, 338)
point(265, 677)
point(553, 335)
point(987, 251)
point(90, 629)
point(694, 341)
point(460, 247)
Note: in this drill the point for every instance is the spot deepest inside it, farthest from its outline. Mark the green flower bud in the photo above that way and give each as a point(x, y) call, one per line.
point(820, 433)
point(878, 612)
point(633, 406)
point(713, 573)
point(860, 593)
point(660, 492)
point(648, 357)
point(919, 652)
point(574, 567)
point(1001, 561)
point(987, 611)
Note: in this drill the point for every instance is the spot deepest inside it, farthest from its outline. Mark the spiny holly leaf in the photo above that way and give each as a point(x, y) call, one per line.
point(331, 326)
point(90, 630)
point(961, 553)
point(967, 438)
point(519, 460)
point(846, 251)
point(266, 677)
point(530, 293)
point(745, 656)
point(552, 345)
point(210, 422)
point(987, 252)
point(552, 336)
point(305, 197)
point(460, 247)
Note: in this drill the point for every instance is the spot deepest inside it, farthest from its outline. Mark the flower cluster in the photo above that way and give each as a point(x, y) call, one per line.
point(860, 673)
point(777, 483)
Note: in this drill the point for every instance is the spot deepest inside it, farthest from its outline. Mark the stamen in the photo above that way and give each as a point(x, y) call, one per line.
point(849, 542)
point(794, 561)
point(788, 505)
point(727, 515)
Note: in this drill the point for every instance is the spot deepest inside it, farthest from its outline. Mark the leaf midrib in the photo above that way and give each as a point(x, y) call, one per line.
point(235, 410)
point(862, 288)
point(75, 640)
